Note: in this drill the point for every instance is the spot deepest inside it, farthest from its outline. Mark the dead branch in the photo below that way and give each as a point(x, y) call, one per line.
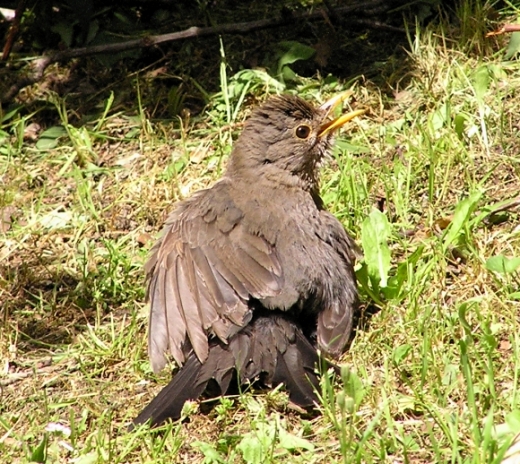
point(506, 28)
point(14, 29)
point(39, 65)
point(44, 367)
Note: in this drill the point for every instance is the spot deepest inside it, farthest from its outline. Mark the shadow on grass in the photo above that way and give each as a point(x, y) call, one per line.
point(47, 305)
point(347, 48)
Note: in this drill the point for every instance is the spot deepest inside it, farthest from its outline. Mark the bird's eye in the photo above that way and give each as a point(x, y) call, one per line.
point(303, 131)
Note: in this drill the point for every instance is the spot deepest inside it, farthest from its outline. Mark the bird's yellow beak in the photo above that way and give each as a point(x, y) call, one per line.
point(335, 124)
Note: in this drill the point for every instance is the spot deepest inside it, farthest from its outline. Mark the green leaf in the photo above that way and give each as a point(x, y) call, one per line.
point(49, 138)
point(460, 218)
point(39, 454)
point(92, 31)
point(54, 132)
point(375, 231)
point(514, 46)
point(481, 81)
point(460, 122)
point(512, 264)
point(352, 385)
point(251, 449)
point(259, 78)
point(345, 145)
point(438, 118)
point(513, 421)
point(503, 265)
point(292, 442)
point(4, 117)
point(463, 310)
point(403, 274)
point(89, 458)
point(294, 51)
point(211, 455)
point(400, 353)
point(64, 29)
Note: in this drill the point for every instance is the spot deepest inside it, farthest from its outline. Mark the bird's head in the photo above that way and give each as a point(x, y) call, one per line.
point(286, 138)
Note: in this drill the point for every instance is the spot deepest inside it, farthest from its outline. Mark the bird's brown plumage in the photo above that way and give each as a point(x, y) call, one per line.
point(248, 273)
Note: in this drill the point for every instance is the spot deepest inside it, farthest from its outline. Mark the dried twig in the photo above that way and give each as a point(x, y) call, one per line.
point(507, 206)
point(14, 29)
point(506, 28)
point(44, 367)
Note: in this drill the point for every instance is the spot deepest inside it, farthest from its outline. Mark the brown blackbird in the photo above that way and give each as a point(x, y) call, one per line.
point(251, 276)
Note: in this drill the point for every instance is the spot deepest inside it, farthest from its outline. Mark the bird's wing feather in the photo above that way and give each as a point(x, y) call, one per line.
point(335, 321)
point(201, 274)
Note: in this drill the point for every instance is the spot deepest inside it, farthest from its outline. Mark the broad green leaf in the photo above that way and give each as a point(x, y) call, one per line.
point(352, 385)
point(252, 449)
point(460, 122)
point(481, 81)
point(513, 421)
point(291, 442)
point(211, 455)
point(503, 264)
point(89, 458)
point(512, 264)
point(39, 454)
point(259, 77)
point(375, 231)
point(403, 274)
point(46, 144)
point(401, 352)
point(496, 264)
point(294, 51)
point(451, 372)
point(65, 30)
point(514, 46)
point(438, 118)
point(54, 132)
point(460, 218)
point(92, 30)
point(49, 138)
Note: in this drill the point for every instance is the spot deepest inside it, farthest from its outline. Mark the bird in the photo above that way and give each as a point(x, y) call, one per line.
point(253, 279)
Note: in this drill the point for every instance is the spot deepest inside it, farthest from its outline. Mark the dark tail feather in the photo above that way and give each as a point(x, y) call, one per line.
point(272, 347)
point(295, 369)
point(170, 400)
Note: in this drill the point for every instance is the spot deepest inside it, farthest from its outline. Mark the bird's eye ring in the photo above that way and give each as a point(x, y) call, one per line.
point(303, 131)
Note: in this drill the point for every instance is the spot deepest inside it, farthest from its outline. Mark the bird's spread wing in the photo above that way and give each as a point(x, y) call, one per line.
point(335, 321)
point(201, 274)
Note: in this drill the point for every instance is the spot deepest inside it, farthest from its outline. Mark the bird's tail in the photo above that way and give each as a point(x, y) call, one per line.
point(271, 348)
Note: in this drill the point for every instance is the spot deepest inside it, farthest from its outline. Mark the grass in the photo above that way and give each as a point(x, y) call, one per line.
point(432, 375)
